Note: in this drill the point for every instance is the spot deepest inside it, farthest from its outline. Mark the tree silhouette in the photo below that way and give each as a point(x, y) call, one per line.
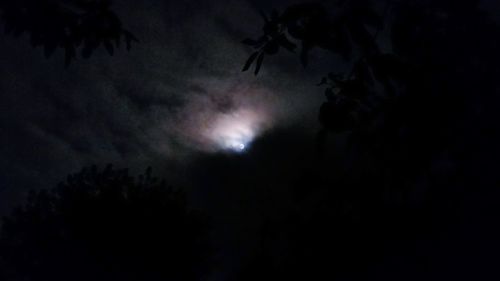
point(105, 225)
point(402, 107)
point(403, 103)
point(72, 25)
point(345, 31)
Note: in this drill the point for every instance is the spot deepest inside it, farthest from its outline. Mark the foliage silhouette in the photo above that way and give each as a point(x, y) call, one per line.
point(382, 99)
point(344, 32)
point(72, 25)
point(106, 225)
point(381, 200)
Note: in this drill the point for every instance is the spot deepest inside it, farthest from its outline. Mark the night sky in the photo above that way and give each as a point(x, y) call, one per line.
point(178, 102)
point(177, 96)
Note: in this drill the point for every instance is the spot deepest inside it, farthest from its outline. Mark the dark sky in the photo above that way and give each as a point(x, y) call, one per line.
point(158, 105)
point(152, 106)
point(155, 105)
point(171, 103)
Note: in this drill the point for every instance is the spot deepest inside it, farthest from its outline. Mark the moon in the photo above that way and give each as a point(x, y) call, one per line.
point(235, 131)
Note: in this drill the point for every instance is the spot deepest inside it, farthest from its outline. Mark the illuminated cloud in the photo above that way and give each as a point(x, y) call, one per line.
point(235, 131)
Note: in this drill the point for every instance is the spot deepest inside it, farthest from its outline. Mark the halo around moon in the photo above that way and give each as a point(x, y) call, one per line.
point(236, 130)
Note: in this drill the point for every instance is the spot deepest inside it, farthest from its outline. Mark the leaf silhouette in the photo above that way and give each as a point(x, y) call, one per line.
point(250, 61)
point(260, 59)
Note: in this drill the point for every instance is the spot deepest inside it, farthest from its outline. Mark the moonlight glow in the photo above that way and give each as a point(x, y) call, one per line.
point(235, 131)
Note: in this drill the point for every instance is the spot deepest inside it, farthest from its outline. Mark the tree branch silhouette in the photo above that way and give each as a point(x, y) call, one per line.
point(72, 25)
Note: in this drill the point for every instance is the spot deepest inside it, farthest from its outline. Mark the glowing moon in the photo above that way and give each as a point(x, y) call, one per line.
point(236, 130)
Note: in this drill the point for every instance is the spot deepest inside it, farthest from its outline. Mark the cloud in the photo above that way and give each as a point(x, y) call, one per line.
point(158, 105)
